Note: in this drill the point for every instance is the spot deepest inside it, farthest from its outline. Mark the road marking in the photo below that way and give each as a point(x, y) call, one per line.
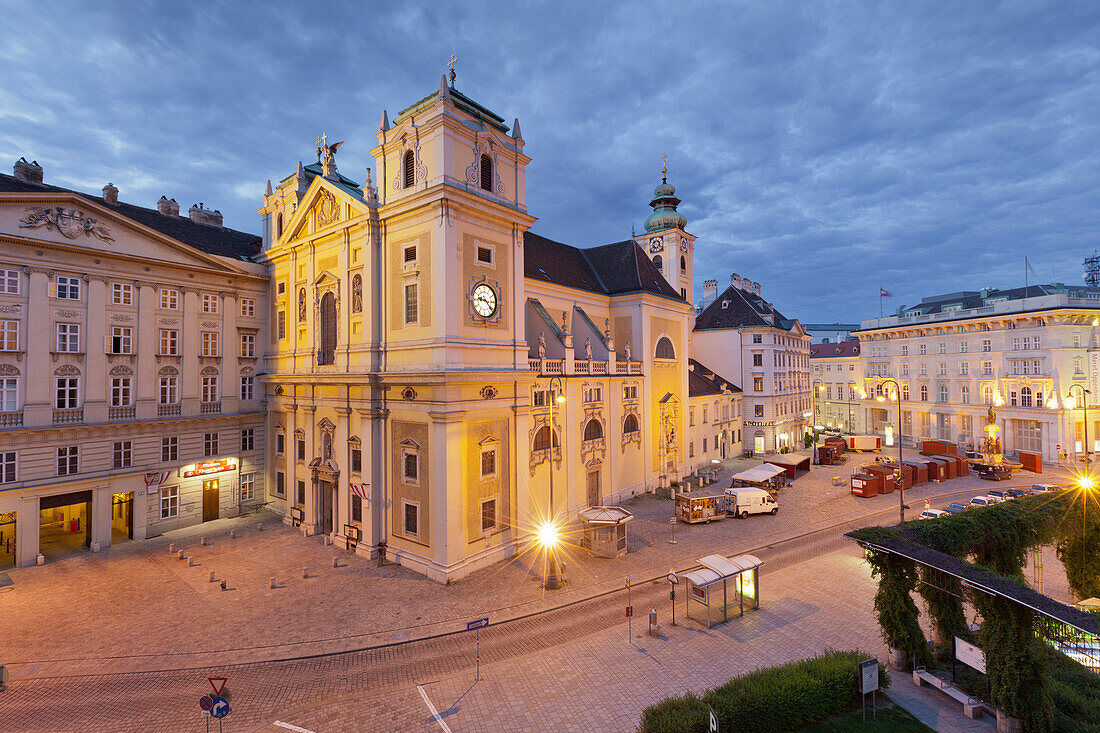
point(435, 713)
point(294, 728)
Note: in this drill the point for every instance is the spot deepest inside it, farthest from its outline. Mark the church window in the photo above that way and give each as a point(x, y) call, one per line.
point(412, 304)
point(488, 462)
point(357, 294)
point(302, 305)
point(542, 439)
point(1025, 397)
point(410, 466)
point(410, 169)
point(488, 515)
point(658, 262)
point(683, 264)
point(630, 424)
point(486, 172)
point(279, 225)
point(664, 349)
point(328, 329)
point(412, 519)
point(593, 430)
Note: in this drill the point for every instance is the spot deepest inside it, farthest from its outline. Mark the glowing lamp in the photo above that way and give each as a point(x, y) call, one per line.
point(1086, 483)
point(560, 399)
point(548, 534)
point(1071, 402)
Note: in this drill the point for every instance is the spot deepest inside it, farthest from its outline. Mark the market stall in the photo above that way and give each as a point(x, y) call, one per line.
point(791, 463)
point(701, 506)
point(605, 530)
point(765, 476)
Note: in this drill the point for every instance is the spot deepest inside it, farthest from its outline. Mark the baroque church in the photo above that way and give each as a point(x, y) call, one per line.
point(437, 371)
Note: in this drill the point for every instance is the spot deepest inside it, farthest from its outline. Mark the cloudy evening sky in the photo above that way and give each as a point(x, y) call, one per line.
point(822, 148)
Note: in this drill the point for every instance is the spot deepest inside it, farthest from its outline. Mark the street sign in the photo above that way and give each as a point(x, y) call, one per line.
point(868, 676)
point(220, 709)
point(672, 578)
point(713, 720)
point(217, 683)
point(206, 702)
point(481, 623)
point(969, 654)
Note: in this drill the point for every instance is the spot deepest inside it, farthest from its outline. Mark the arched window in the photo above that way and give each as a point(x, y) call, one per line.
point(924, 393)
point(593, 430)
point(357, 294)
point(683, 264)
point(542, 438)
point(964, 394)
point(279, 225)
point(302, 305)
point(943, 393)
point(409, 169)
point(486, 172)
point(987, 395)
point(664, 349)
point(630, 424)
point(658, 263)
point(1025, 397)
point(328, 329)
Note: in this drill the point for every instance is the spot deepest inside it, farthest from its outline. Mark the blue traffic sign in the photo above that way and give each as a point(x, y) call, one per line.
point(220, 708)
point(206, 702)
point(481, 623)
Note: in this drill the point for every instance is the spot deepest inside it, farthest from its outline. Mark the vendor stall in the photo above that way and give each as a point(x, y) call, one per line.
point(724, 588)
point(866, 484)
point(605, 530)
point(705, 506)
point(791, 463)
point(765, 476)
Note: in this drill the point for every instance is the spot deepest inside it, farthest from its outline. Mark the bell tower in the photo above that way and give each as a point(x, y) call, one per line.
point(665, 240)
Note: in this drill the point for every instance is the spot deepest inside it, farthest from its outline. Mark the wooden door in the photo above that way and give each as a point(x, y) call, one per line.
point(210, 499)
point(593, 488)
point(326, 507)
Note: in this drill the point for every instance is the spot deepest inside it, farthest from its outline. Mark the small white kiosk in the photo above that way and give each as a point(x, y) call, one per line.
point(724, 588)
point(605, 530)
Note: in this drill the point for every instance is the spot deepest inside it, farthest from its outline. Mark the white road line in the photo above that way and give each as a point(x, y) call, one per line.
point(435, 713)
point(294, 728)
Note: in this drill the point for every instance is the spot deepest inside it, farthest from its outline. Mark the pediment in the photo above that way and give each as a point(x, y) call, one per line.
point(324, 204)
point(325, 277)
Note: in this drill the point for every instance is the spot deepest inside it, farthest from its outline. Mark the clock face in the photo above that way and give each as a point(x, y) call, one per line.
point(683, 244)
point(485, 300)
point(656, 244)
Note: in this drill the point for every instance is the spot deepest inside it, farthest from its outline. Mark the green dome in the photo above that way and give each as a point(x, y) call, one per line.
point(665, 215)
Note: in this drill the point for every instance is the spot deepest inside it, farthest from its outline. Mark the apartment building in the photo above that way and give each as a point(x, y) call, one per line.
point(714, 416)
point(837, 382)
point(131, 341)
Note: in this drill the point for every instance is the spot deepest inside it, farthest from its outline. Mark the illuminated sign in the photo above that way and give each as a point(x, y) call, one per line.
point(202, 469)
point(889, 435)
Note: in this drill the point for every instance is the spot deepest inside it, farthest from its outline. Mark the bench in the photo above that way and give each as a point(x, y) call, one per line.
point(839, 481)
point(972, 706)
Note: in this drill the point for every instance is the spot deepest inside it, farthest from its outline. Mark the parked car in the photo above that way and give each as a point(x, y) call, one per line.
point(955, 507)
point(994, 473)
point(931, 513)
point(983, 501)
point(999, 495)
point(1041, 488)
point(743, 502)
point(1016, 493)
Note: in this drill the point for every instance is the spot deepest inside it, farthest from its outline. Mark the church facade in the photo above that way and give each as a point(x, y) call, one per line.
point(421, 336)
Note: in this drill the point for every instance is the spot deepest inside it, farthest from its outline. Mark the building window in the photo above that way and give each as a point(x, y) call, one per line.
point(659, 262)
point(169, 390)
point(758, 360)
point(964, 394)
point(300, 499)
point(987, 345)
point(169, 449)
point(630, 424)
point(121, 392)
point(169, 342)
point(943, 368)
point(281, 325)
point(757, 338)
point(409, 254)
point(248, 386)
point(65, 393)
point(412, 519)
point(486, 172)
point(248, 440)
point(410, 467)
point(488, 462)
point(356, 460)
point(248, 345)
point(987, 368)
point(122, 340)
point(630, 392)
point(1025, 397)
point(7, 467)
point(209, 303)
point(301, 449)
point(757, 384)
point(943, 393)
point(923, 349)
point(758, 410)
point(169, 502)
point(488, 515)
point(9, 282)
point(593, 430)
point(356, 508)
point(9, 394)
point(412, 306)
point(280, 444)
point(664, 349)
point(210, 343)
point(485, 255)
point(542, 439)
point(328, 329)
point(9, 335)
point(68, 288)
point(963, 347)
point(248, 307)
point(593, 394)
point(209, 445)
point(964, 368)
point(248, 486)
point(357, 294)
point(281, 288)
point(122, 294)
point(409, 169)
point(169, 299)
point(987, 395)
point(209, 389)
point(924, 393)
point(905, 369)
point(280, 483)
point(68, 337)
point(67, 459)
point(123, 454)
point(943, 347)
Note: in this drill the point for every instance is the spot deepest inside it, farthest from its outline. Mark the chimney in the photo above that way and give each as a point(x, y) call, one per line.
point(756, 288)
point(210, 217)
point(110, 194)
point(735, 280)
point(168, 206)
point(710, 292)
point(27, 172)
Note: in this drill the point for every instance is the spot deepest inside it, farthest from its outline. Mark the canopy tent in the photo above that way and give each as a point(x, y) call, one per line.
point(759, 473)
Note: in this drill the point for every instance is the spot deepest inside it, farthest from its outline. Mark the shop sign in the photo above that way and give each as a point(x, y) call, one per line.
point(202, 469)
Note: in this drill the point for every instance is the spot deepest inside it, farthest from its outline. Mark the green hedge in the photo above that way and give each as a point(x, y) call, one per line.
point(1076, 694)
point(773, 699)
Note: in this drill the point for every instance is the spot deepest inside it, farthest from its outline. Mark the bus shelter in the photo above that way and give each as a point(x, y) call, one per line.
point(724, 588)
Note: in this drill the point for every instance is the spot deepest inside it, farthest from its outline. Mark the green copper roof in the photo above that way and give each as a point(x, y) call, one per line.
point(462, 102)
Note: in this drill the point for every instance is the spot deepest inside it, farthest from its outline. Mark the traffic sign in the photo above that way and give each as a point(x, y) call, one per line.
point(206, 702)
point(217, 683)
point(481, 623)
point(221, 707)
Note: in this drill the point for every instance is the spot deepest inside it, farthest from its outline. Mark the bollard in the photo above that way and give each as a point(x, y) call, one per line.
point(223, 585)
point(202, 540)
point(653, 622)
point(232, 534)
point(179, 554)
point(260, 527)
point(335, 562)
point(305, 572)
point(171, 548)
point(272, 583)
point(211, 576)
point(190, 561)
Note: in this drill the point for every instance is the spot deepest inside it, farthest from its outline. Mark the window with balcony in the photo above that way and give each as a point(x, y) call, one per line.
point(9, 394)
point(169, 390)
point(121, 391)
point(66, 390)
point(209, 389)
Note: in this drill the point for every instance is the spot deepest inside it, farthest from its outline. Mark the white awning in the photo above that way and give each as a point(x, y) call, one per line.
point(759, 473)
point(605, 515)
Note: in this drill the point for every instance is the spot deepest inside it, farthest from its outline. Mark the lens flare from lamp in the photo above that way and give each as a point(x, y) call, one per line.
point(548, 534)
point(1086, 483)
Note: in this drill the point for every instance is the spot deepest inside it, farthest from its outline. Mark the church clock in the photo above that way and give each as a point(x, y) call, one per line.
point(683, 244)
point(485, 300)
point(657, 244)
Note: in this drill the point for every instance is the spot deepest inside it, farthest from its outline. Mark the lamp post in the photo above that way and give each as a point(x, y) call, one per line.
point(851, 393)
point(549, 532)
point(1085, 407)
point(817, 387)
point(901, 468)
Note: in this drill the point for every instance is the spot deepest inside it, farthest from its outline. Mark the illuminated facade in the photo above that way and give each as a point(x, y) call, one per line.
point(130, 348)
point(837, 381)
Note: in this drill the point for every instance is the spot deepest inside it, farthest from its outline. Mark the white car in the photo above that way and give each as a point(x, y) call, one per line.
point(932, 513)
point(983, 501)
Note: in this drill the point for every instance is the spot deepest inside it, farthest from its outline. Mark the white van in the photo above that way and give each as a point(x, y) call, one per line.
point(743, 502)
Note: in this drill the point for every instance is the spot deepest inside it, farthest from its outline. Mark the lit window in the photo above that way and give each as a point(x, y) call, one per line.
point(122, 294)
point(248, 307)
point(209, 303)
point(169, 342)
point(9, 335)
point(169, 299)
point(169, 502)
point(248, 486)
point(210, 343)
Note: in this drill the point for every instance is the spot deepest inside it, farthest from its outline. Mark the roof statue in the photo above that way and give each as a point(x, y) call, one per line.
point(326, 155)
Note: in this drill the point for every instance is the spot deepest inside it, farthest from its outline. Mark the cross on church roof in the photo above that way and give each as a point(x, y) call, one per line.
point(322, 141)
point(451, 66)
point(664, 167)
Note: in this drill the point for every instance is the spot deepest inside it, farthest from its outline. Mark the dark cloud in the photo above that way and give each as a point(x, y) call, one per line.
point(823, 149)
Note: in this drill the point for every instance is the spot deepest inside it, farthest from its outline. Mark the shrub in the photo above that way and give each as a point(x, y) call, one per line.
point(1076, 694)
point(773, 699)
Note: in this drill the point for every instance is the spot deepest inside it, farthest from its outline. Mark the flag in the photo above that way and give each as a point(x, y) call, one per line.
point(882, 293)
point(1029, 267)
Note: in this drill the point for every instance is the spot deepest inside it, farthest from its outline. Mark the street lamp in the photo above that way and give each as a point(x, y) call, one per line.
point(817, 389)
point(901, 468)
point(1070, 404)
point(548, 533)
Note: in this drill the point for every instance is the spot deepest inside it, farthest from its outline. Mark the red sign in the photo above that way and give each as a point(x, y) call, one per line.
point(218, 683)
point(201, 469)
point(630, 610)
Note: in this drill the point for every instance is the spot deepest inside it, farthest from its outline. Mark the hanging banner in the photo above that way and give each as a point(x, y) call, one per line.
point(156, 478)
point(361, 490)
point(1094, 377)
point(969, 655)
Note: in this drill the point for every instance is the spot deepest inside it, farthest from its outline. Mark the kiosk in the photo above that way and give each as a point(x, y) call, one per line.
point(695, 507)
point(724, 588)
point(605, 530)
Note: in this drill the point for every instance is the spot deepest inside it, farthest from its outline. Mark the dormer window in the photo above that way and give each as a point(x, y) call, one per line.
point(486, 172)
point(409, 169)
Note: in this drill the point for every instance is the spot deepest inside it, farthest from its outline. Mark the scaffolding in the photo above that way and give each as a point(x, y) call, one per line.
point(1092, 270)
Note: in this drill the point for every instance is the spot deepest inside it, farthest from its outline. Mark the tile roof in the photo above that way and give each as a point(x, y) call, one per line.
point(737, 308)
point(207, 238)
point(843, 348)
point(610, 269)
point(703, 381)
